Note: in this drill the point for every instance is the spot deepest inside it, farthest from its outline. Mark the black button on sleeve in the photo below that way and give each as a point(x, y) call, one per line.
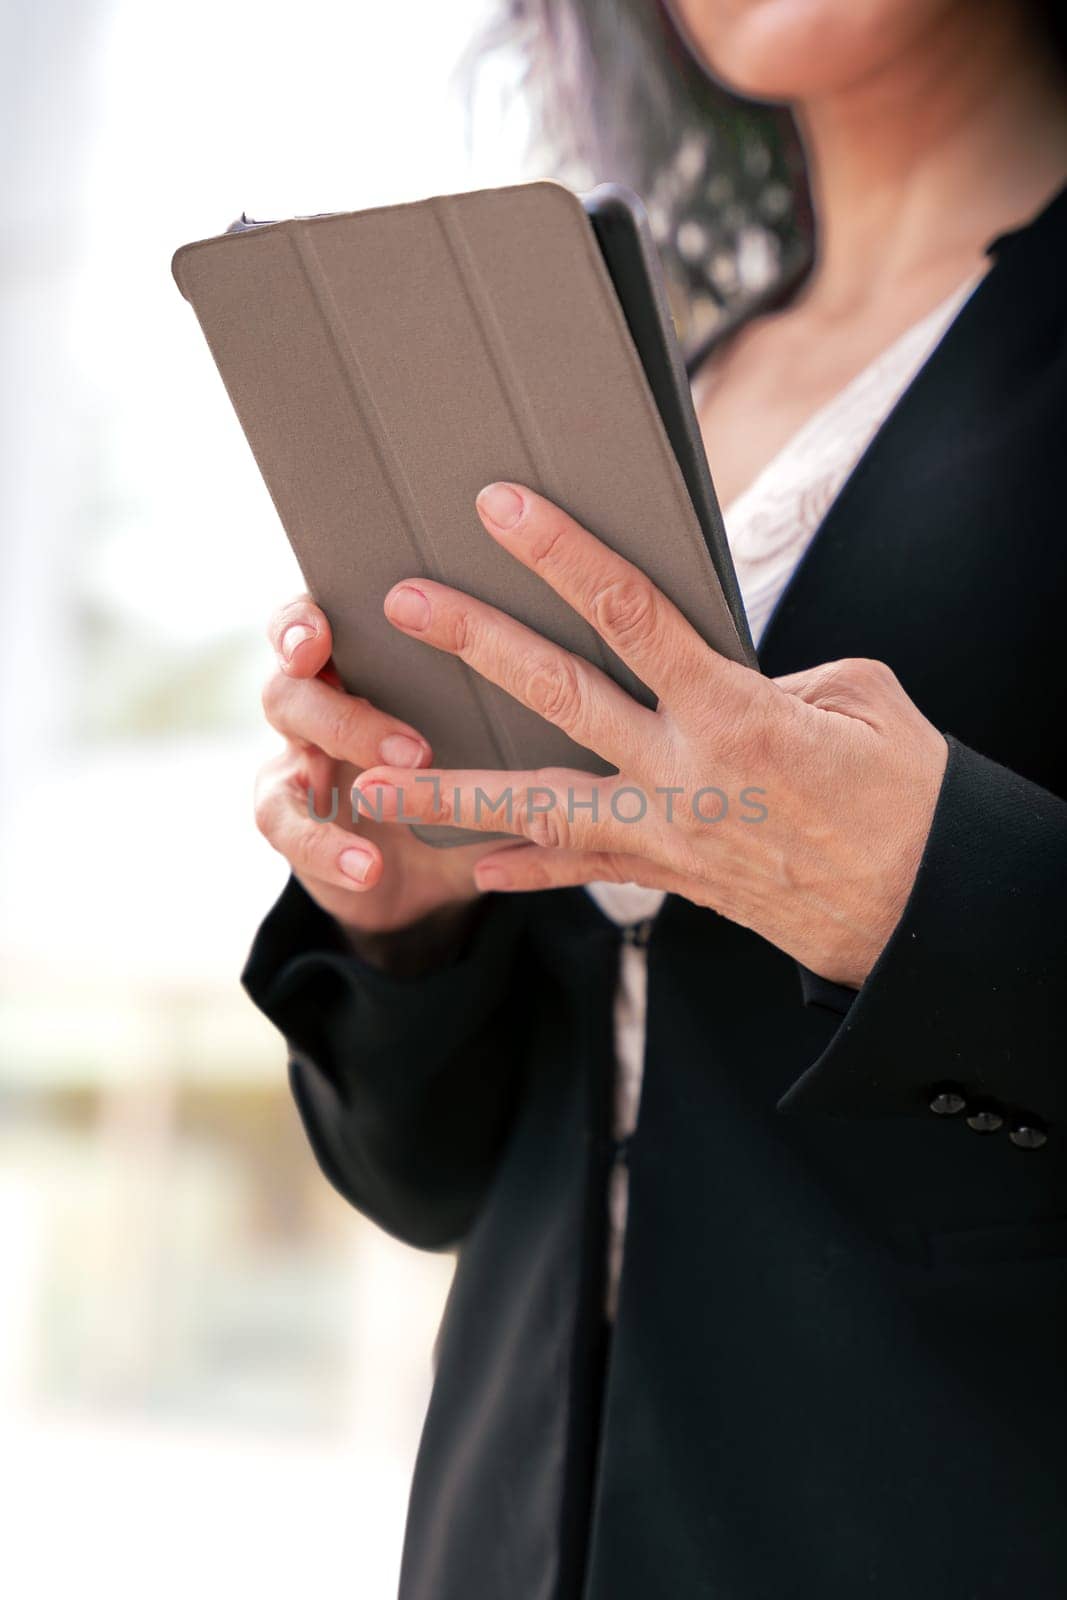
point(1028, 1136)
point(985, 1120)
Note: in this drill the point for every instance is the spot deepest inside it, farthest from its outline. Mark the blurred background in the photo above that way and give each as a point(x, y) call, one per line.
point(212, 1371)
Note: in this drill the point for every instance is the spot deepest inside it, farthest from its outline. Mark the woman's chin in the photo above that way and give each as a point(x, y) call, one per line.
point(772, 70)
point(800, 49)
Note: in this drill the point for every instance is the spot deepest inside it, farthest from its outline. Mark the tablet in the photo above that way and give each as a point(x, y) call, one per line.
point(386, 364)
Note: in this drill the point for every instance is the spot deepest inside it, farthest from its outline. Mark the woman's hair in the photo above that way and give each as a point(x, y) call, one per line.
point(614, 93)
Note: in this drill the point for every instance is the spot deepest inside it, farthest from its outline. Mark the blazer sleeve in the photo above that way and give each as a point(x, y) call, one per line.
point(404, 1084)
point(967, 1004)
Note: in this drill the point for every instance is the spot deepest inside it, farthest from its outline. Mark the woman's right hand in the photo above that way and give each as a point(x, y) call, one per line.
point(374, 878)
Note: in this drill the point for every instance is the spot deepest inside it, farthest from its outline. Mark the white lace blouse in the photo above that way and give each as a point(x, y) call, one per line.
point(769, 527)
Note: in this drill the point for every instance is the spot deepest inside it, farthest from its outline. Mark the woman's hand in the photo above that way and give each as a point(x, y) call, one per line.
point(829, 777)
point(372, 879)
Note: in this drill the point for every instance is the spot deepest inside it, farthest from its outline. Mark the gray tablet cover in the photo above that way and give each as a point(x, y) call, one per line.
point(385, 365)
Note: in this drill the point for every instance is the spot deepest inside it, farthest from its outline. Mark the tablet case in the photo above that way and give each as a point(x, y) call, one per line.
point(386, 364)
point(630, 255)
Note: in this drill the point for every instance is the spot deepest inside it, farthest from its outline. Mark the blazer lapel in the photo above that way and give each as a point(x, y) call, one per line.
point(952, 386)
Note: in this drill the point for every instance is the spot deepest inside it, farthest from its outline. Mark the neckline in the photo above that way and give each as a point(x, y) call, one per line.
point(1026, 261)
point(1048, 218)
point(1049, 214)
point(940, 318)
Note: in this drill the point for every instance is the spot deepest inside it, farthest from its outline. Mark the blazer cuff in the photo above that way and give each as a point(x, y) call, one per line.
point(966, 1007)
point(354, 1020)
point(827, 996)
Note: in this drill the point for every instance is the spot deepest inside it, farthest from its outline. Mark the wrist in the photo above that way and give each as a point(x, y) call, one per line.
point(423, 945)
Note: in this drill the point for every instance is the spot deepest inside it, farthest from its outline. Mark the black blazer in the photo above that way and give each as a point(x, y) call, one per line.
point(839, 1365)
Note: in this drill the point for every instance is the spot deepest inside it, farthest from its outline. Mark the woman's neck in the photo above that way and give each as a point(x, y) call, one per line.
point(962, 137)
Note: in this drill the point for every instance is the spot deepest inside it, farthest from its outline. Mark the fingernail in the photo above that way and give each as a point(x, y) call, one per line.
point(356, 864)
point(501, 504)
point(398, 750)
point(491, 877)
point(294, 637)
point(408, 606)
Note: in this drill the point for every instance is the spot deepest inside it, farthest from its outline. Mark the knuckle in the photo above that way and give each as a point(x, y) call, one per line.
point(315, 848)
point(614, 867)
point(546, 828)
point(626, 610)
point(867, 673)
point(344, 727)
point(855, 686)
point(832, 673)
point(752, 737)
point(463, 635)
point(833, 685)
point(273, 695)
point(555, 692)
point(337, 731)
point(885, 677)
point(547, 540)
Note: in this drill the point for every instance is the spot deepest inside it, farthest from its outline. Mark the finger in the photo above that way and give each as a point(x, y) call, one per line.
point(301, 637)
point(345, 726)
point(551, 807)
point(566, 691)
point(318, 776)
point(310, 839)
point(523, 868)
point(632, 616)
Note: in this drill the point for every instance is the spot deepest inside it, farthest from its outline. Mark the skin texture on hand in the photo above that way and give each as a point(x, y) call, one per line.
point(846, 767)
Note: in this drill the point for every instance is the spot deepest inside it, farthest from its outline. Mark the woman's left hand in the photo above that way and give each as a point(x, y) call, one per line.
point(797, 807)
